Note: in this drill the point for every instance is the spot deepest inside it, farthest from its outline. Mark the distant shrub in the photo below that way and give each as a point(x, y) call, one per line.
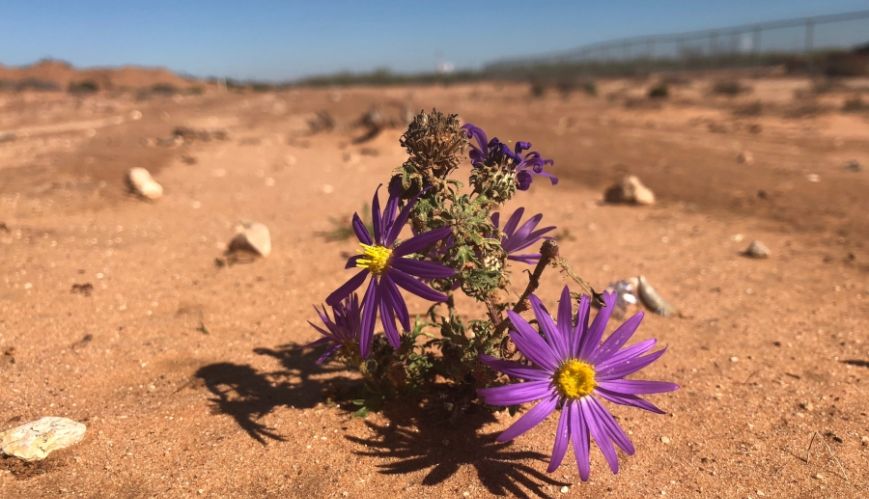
point(752, 109)
point(196, 90)
point(730, 88)
point(840, 65)
point(259, 86)
point(659, 90)
point(7, 85)
point(855, 105)
point(38, 85)
point(163, 89)
point(537, 89)
point(83, 87)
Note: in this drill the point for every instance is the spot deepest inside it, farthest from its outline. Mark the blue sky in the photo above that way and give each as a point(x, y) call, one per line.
point(284, 40)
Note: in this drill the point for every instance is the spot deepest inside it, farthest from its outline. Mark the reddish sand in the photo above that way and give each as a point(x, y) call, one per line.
point(190, 376)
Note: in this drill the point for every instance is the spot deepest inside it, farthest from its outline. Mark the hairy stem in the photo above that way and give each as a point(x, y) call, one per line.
point(548, 253)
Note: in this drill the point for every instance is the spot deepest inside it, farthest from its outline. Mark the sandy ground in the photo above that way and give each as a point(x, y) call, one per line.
point(192, 379)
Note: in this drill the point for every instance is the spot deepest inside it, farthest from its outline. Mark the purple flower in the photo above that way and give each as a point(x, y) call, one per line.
point(389, 267)
point(340, 332)
point(517, 240)
point(572, 368)
point(493, 152)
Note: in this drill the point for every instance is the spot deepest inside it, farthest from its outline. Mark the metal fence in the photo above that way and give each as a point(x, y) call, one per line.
point(741, 43)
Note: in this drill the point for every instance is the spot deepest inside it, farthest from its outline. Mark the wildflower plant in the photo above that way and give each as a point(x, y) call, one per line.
point(435, 239)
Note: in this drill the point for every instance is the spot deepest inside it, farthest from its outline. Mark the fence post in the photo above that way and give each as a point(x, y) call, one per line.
point(810, 35)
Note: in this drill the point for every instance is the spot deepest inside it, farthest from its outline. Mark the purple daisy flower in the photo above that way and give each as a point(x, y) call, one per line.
point(572, 368)
point(494, 152)
point(340, 332)
point(389, 267)
point(515, 240)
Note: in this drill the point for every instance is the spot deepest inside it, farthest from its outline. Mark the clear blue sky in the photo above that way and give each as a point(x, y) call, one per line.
point(284, 40)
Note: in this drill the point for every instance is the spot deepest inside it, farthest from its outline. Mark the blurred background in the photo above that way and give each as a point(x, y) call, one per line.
point(176, 185)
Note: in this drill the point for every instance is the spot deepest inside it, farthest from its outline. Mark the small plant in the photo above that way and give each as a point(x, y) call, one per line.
point(83, 87)
point(751, 109)
point(855, 105)
point(455, 361)
point(659, 91)
point(537, 89)
point(730, 88)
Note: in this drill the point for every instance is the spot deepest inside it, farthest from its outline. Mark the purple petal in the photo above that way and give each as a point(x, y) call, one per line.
point(420, 242)
point(628, 361)
point(616, 340)
point(531, 344)
point(510, 227)
point(523, 180)
point(530, 419)
point(516, 393)
point(598, 326)
point(424, 270)
point(387, 318)
point(327, 354)
point(530, 259)
point(348, 287)
point(388, 217)
point(580, 440)
point(551, 334)
point(517, 244)
point(637, 386)
point(496, 217)
point(515, 369)
point(376, 217)
point(562, 436)
point(414, 286)
point(369, 314)
point(581, 327)
point(360, 230)
point(565, 310)
point(351, 262)
point(398, 224)
point(611, 427)
point(599, 433)
point(391, 293)
point(476, 133)
point(528, 226)
point(630, 400)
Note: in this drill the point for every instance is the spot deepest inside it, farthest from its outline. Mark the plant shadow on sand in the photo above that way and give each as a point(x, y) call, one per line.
point(414, 441)
point(247, 394)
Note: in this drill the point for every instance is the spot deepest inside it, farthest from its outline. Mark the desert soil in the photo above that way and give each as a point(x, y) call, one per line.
point(193, 378)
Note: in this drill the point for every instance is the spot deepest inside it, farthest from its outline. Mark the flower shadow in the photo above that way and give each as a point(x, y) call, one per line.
point(246, 394)
point(413, 443)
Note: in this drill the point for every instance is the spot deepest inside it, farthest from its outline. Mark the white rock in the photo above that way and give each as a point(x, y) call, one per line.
point(252, 237)
point(630, 190)
point(141, 183)
point(745, 158)
point(757, 250)
point(34, 441)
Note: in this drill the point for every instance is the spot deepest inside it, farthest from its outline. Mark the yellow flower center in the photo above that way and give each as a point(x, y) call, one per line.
point(374, 258)
point(575, 379)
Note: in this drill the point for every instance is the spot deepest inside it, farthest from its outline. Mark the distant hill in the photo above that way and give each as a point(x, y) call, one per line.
point(52, 73)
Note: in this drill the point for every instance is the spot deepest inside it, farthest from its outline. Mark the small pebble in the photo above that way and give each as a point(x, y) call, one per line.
point(665, 440)
point(734, 359)
point(818, 476)
point(565, 489)
point(813, 178)
point(757, 250)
